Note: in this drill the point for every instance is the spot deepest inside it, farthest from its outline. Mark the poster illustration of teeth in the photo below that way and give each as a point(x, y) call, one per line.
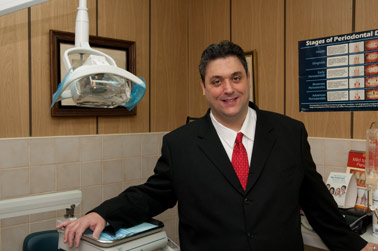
point(339, 73)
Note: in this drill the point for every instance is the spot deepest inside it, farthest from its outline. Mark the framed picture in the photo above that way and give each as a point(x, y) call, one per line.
point(252, 64)
point(123, 53)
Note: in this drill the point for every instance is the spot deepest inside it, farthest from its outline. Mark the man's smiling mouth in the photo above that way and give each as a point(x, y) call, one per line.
point(229, 100)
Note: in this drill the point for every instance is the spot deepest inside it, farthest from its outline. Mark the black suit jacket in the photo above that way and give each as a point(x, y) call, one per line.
point(215, 213)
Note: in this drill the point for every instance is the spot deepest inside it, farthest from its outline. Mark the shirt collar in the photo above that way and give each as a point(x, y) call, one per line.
point(229, 135)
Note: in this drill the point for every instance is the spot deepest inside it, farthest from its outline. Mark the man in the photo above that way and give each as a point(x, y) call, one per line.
point(223, 203)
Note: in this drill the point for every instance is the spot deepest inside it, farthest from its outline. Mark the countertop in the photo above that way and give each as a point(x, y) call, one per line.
point(310, 238)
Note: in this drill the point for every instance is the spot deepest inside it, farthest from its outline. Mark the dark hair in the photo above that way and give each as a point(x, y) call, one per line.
point(222, 50)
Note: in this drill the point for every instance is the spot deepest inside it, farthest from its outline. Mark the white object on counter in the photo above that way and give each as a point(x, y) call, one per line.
point(374, 209)
point(312, 239)
point(155, 241)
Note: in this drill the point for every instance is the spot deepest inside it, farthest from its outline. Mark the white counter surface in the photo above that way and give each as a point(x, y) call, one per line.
point(310, 238)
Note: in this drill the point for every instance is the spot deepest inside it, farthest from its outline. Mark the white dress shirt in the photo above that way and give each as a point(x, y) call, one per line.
point(228, 136)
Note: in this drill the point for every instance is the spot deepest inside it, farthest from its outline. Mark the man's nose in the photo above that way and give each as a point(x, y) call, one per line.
point(227, 87)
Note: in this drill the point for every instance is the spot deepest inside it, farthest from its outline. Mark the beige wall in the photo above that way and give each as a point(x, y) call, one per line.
point(170, 36)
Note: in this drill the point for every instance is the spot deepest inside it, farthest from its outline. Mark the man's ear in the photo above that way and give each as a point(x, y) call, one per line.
point(203, 87)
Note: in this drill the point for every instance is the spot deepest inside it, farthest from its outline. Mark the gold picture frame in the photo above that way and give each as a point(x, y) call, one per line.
point(122, 51)
point(251, 57)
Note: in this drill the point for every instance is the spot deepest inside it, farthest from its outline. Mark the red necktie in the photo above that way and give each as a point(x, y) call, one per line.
point(240, 160)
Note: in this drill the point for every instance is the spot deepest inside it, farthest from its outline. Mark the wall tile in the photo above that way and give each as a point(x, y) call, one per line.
point(113, 146)
point(91, 173)
point(12, 238)
point(9, 222)
point(150, 144)
point(148, 165)
point(42, 151)
point(336, 152)
point(358, 145)
point(121, 146)
point(91, 198)
point(67, 149)
point(317, 149)
point(14, 182)
point(42, 179)
point(43, 216)
point(43, 225)
point(133, 168)
point(132, 146)
point(172, 212)
point(91, 148)
point(328, 169)
point(130, 183)
point(113, 171)
point(320, 169)
point(113, 190)
point(68, 176)
point(14, 153)
point(161, 135)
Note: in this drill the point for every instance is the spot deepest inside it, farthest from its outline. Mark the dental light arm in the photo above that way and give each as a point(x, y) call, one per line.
point(82, 25)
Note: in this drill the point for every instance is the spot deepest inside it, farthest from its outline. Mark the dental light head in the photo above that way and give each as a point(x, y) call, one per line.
point(97, 82)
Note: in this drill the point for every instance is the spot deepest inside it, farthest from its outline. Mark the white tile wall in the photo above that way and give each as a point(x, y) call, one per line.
point(331, 155)
point(102, 166)
point(91, 148)
point(91, 173)
point(14, 153)
point(42, 179)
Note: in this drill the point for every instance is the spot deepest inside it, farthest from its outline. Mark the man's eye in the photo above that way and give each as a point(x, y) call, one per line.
point(237, 78)
point(216, 82)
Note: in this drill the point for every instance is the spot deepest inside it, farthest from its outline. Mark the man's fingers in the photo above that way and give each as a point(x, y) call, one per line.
point(70, 238)
point(68, 230)
point(74, 229)
point(78, 238)
point(97, 231)
point(63, 224)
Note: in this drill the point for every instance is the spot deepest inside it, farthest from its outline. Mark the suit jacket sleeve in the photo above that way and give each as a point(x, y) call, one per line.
point(321, 210)
point(139, 203)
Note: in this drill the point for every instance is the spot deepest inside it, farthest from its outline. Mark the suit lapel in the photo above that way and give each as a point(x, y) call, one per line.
point(262, 146)
point(210, 144)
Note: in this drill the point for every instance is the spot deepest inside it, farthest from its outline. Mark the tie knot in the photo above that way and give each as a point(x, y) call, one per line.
point(239, 138)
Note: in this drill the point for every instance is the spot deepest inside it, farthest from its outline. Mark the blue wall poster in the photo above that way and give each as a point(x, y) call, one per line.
point(339, 73)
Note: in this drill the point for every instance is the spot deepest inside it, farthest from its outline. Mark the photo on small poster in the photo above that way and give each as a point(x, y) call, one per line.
point(343, 188)
point(362, 194)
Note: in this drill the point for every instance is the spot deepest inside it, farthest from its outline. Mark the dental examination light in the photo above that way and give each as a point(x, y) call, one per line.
point(97, 82)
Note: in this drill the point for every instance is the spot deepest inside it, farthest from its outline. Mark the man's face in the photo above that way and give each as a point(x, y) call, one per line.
point(343, 189)
point(227, 89)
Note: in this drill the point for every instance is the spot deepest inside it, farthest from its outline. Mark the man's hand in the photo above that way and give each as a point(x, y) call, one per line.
point(75, 229)
point(370, 247)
